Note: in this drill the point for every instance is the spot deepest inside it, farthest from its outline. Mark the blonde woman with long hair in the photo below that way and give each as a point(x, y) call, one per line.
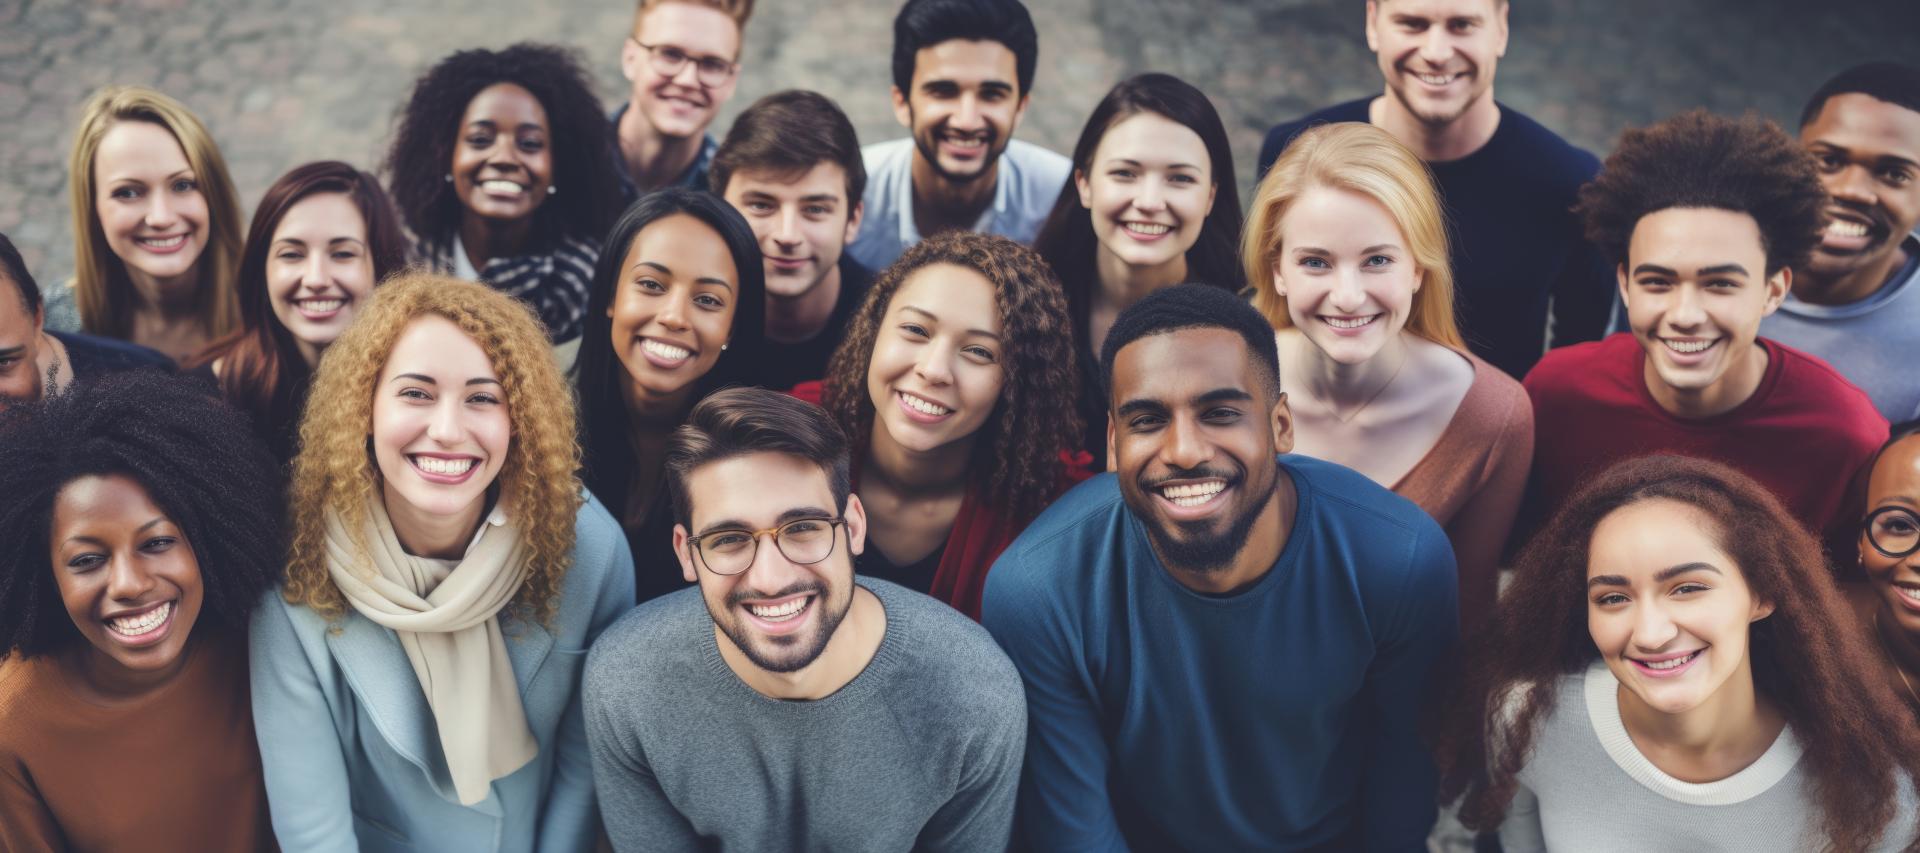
point(447, 575)
point(1346, 247)
point(156, 225)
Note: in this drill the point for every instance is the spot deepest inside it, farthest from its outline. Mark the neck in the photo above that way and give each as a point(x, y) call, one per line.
point(486, 239)
point(309, 351)
point(1260, 551)
point(1809, 287)
point(1437, 143)
point(652, 160)
point(941, 470)
point(170, 299)
point(108, 679)
point(651, 413)
point(940, 204)
point(1339, 386)
point(797, 318)
point(1734, 387)
point(1730, 729)
point(1899, 644)
point(1122, 284)
point(854, 643)
point(437, 537)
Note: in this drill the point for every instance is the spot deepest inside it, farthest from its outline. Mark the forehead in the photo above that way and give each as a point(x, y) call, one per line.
point(823, 178)
point(1896, 472)
point(1646, 536)
point(956, 294)
point(1860, 122)
point(332, 213)
point(138, 149)
point(1436, 9)
point(15, 322)
point(434, 346)
point(506, 104)
point(1328, 217)
point(1151, 138)
point(965, 62)
point(694, 28)
point(685, 245)
point(97, 498)
point(1176, 366)
point(755, 488)
point(1682, 237)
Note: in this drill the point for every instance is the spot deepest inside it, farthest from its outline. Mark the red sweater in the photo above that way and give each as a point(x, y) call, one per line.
point(1806, 434)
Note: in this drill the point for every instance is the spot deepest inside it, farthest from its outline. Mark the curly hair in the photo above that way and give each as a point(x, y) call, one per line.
point(1017, 459)
point(586, 198)
point(1806, 657)
point(335, 472)
point(1698, 159)
point(196, 458)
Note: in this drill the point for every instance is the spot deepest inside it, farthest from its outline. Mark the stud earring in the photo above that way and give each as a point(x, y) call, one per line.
point(449, 177)
point(551, 189)
point(723, 347)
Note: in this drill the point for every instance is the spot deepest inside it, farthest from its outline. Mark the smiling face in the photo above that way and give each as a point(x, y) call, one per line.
point(1869, 156)
point(1149, 190)
point(778, 613)
point(673, 308)
point(503, 161)
point(149, 201)
point(802, 223)
point(1893, 504)
point(126, 574)
point(936, 371)
point(1696, 288)
point(964, 104)
point(1669, 611)
point(440, 422)
point(1346, 272)
point(19, 346)
point(1438, 56)
point(319, 271)
point(680, 106)
point(1195, 431)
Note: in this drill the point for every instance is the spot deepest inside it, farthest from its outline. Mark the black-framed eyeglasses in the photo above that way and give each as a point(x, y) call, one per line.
point(1893, 531)
point(803, 541)
point(711, 71)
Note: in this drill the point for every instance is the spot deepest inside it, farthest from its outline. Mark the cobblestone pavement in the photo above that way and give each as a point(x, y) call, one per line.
point(282, 82)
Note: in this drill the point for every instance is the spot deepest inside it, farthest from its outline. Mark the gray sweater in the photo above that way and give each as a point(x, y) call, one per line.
point(921, 751)
point(1872, 342)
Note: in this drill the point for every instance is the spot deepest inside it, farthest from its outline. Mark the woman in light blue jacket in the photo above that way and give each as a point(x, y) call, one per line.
point(416, 682)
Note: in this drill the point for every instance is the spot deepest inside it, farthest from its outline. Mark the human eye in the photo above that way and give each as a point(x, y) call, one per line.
point(1378, 261)
point(713, 67)
point(126, 192)
point(84, 561)
point(1897, 177)
point(479, 139)
point(1146, 422)
point(485, 399)
point(725, 541)
point(1313, 263)
point(1120, 173)
point(915, 330)
point(1182, 178)
point(1723, 284)
point(186, 185)
point(345, 254)
point(1460, 25)
point(673, 54)
point(818, 210)
point(158, 544)
point(290, 255)
point(1827, 161)
point(1221, 415)
point(982, 354)
point(1413, 25)
point(650, 284)
point(760, 207)
point(1653, 282)
point(532, 143)
point(709, 301)
point(1690, 588)
point(1609, 599)
point(8, 362)
point(415, 394)
point(941, 91)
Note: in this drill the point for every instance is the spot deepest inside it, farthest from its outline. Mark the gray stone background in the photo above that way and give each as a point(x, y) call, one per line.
point(283, 82)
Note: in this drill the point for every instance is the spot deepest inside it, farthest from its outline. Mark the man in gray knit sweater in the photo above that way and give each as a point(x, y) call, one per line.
point(782, 705)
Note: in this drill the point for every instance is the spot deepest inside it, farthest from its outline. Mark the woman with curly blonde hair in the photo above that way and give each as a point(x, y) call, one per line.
point(446, 579)
point(956, 383)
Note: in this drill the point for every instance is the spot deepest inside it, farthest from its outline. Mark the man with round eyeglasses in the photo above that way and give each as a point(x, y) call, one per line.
point(782, 704)
point(683, 61)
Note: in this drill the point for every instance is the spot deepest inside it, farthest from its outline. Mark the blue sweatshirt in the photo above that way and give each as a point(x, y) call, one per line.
point(1281, 717)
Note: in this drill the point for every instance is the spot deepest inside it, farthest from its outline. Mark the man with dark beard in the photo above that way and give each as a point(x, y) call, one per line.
point(782, 705)
point(962, 73)
point(1224, 648)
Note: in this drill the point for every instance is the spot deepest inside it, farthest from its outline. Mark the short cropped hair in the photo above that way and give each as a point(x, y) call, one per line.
point(1894, 82)
point(1195, 306)
point(788, 133)
point(925, 23)
point(738, 10)
point(14, 269)
point(1698, 159)
point(737, 421)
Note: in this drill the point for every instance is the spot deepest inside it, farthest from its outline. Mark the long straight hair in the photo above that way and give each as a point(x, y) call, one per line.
point(103, 292)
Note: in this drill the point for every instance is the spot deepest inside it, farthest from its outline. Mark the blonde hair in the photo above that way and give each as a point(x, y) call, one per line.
point(1363, 159)
point(335, 472)
point(738, 10)
point(103, 292)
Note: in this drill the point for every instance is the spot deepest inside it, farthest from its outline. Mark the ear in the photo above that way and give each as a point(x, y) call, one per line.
point(631, 54)
point(856, 516)
point(1778, 285)
point(1019, 111)
point(1419, 278)
point(1086, 189)
point(902, 109)
point(1213, 191)
point(1373, 36)
point(1620, 278)
point(1761, 610)
point(1282, 425)
point(853, 222)
point(1500, 21)
point(1113, 459)
point(684, 554)
point(1279, 281)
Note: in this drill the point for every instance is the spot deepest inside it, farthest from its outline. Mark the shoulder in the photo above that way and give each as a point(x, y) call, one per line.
point(23, 693)
point(1348, 499)
point(1041, 162)
point(1496, 402)
point(943, 652)
point(1061, 527)
point(596, 536)
point(886, 159)
point(91, 354)
point(1815, 386)
point(1062, 552)
point(1546, 155)
point(1575, 365)
point(647, 640)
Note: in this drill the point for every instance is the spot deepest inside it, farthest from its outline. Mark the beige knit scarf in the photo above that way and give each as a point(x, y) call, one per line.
point(446, 623)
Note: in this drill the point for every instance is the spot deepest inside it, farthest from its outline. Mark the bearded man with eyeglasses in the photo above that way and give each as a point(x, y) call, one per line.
point(683, 59)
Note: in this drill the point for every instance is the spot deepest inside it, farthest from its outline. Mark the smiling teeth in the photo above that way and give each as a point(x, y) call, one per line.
point(436, 465)
point(966, 143)
point(134, 626)
point(1193, 494)
point(1687, 347)
point(322, 306)
point(1911, 593)
point(1843, 228)
point(925, 407)
point(1436, 79)
point(1341, 323)
point(500, 187)
point(665, 351)
point(1148, 228)
point(779, 611)
point(163, 243)
point(1669, 664)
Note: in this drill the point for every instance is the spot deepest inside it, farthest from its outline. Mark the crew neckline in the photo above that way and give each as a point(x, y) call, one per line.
point(1602, 691)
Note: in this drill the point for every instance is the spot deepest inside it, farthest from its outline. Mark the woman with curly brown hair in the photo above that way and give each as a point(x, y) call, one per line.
point(1674, 668)
point(956, 382)
point(446, 578)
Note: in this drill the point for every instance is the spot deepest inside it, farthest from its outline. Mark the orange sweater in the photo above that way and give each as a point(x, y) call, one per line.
point(175, 770)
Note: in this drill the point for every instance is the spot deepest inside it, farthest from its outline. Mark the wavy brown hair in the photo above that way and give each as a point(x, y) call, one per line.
point(1016, 461)
point(1807, 657)
point(335, 472)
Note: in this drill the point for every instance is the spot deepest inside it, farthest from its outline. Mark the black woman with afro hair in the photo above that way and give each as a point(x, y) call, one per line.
point(1705, 218)
point(502, 170)
point(142, 525)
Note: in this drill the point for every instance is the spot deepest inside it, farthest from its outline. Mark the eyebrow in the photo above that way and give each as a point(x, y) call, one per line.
point(188, 171)
point(1217, 395)
point(794, 514)
point(996, 85)
point(490, 123)
point(421, 377)
point(330, 240)
point(1717, 269)
point(1378, 247)
point(936, 318)
point(1132, 162)
point(700, 280)
point(1662, 576)
point(91, 540)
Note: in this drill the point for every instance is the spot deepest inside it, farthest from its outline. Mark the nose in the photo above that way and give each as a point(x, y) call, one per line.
point(1685, 311)
point(127, 580)
point(1186, 447)
point(1347, 295)
point(688, 75)
point(1152, 197)
point(786, 229)
point(1436, 47)
point(314, 275)
point(968, 116)
point(935, 366)
point(1852, 183)
point(1652, 628)
point(771, 571)
point(674, 309)
point(443, 426)
point(159, 210)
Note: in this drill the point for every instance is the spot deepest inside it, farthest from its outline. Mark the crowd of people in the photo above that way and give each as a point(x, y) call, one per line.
point(576, 481)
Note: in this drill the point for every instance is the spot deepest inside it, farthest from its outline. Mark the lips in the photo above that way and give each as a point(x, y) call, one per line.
point(1848, 233)
point(443, 469)
point(141, 627)
point(317, 308)
point(1146, 232)
point(965, 147)
point(1437, 80)
point(162, 245)
point(1666, 666)
point(1688, 351)
point(788, 265)
point(1189, 499)
point(503, 188)
point(664, 355)
point(783, 615)
point(1349, 324)
point(920, 409)
point(1907, 596)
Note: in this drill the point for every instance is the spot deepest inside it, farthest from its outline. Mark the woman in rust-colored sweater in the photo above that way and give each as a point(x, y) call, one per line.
point(143, 525)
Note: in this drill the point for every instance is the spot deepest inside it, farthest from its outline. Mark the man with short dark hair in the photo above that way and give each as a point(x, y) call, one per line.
point(683, 59)
point(1506, 182)
point(791, 165)
point(36, 361)
point(783, 705)
point(1856, 300)
point(1224, 648)
point(962, 76)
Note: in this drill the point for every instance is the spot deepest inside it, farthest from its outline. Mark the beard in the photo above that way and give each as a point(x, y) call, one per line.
point(787, 653)
point(1200, 551)
point(928, 143)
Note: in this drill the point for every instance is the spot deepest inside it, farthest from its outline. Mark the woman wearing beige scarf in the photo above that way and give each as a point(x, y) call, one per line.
point(447, 577)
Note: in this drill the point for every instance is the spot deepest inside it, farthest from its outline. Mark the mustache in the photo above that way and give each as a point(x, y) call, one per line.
point(1876, 218)
point(816, 588)
point(1200, 473)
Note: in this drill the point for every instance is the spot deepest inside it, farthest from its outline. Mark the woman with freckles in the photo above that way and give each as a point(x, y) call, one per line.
point(1674, 668)
point(1889, 602)
point(1146, 209)
point(156, 226)
point(502, 169)
point(323, 235)
point(417, 677)
point(142, 525)
point(956, 385)
point(676, 311)
point(1346, 246)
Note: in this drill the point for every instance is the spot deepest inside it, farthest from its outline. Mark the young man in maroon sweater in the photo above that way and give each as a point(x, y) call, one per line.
point(1705, 217)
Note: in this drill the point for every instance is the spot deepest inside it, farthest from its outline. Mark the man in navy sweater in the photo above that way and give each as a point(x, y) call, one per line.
point(1508, 183)
point(1223, 648)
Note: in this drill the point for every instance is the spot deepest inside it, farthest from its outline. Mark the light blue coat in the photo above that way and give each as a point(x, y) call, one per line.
point(352, 757)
